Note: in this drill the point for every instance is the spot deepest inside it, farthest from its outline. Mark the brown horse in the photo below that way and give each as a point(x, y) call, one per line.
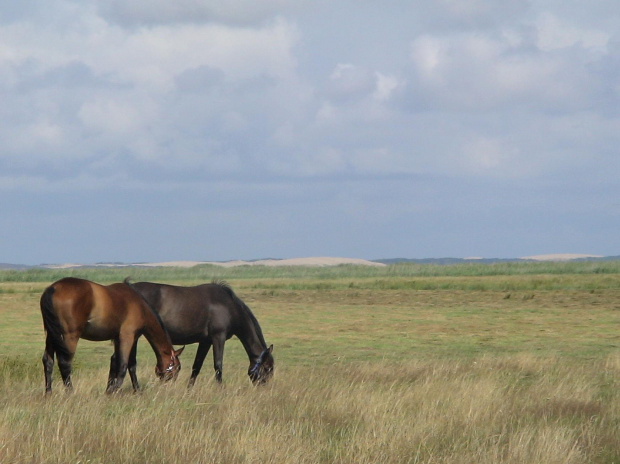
point(76, 308)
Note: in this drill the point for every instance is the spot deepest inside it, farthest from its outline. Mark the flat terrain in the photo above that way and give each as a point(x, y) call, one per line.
point(399, 366)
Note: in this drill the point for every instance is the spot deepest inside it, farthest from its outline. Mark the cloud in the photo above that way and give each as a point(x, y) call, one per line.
point(471, 71)
point(218, 96)
point(150, 56)
point(554, 33)
point(349, 81)
point(468, 14)
point(93, 88)
point(418, 114)
point(133, 13)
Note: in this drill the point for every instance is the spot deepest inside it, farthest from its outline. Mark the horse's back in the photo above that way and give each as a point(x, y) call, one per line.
point(210, 300)
point(186, 312)
point(190, 313)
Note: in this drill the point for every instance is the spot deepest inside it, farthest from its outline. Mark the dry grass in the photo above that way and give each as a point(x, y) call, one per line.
point(521, 409)
point(363, 376)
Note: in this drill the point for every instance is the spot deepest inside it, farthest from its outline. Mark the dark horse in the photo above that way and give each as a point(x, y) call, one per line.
point(76, 308)
point(209, 314)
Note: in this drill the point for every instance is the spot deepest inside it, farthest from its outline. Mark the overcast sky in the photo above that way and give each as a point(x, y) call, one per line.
point(158, 130)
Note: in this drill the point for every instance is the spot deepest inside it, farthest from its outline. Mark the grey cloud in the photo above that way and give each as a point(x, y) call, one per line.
point(485, 72)
point(349, 82)
point(469, 14)
point(197, 80)
point(132, 13)
point(23, 10)
point(436, 128)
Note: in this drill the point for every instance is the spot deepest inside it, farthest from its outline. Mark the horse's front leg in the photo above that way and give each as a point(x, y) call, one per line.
point(113, 374)
point(201, 354)
point(218, 355)
point(113, 370)
point(131, 367)
point(119, 362)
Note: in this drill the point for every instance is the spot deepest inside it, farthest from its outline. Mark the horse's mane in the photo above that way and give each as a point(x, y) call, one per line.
point(239, 302)
point(128, 282)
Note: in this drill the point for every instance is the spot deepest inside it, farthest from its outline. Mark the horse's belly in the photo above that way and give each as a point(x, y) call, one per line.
point(184, 338)
point(97, 333)
point(185, 331)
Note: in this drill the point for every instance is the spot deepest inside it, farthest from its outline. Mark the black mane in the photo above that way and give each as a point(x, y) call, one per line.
point(227, 288)
point(127, 282)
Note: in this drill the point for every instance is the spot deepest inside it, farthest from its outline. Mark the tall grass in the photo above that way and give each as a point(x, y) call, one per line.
point(518, 410)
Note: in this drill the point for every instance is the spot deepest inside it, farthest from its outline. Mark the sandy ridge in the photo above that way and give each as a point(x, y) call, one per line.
point(560, 257)
point(312, 261)
point(308, 261)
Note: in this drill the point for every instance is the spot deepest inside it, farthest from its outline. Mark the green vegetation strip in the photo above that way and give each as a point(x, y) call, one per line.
point(207, 272)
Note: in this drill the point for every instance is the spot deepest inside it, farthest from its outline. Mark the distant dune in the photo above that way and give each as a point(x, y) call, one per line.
point(559, 257)
point(321, 261)
point(317, 261)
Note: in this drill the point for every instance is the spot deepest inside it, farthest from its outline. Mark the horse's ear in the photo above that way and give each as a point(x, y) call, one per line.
point(270, 349)
point(178, 352)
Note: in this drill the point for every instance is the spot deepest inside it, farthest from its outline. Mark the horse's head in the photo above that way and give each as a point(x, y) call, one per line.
point(174, 366)
point(262, 370)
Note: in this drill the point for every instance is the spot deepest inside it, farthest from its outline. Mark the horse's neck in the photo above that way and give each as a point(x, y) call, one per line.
point(251, 341)
point(157, 338)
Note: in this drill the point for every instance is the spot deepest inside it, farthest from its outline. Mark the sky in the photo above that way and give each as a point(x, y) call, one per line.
point(150, 130)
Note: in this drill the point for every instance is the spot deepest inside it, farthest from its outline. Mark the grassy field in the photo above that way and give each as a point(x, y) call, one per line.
point(515, 363)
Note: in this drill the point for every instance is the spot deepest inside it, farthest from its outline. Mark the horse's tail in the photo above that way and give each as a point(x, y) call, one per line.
point(51, 323)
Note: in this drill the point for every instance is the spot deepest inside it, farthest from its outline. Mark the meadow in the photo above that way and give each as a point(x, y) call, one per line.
point(475, 363)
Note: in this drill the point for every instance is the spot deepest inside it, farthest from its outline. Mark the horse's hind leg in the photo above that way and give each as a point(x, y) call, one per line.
point(64, 364)
point(48, 364)
point(65, 359)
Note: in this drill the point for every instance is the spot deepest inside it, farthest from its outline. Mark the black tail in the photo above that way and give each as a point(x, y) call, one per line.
point(51, 323)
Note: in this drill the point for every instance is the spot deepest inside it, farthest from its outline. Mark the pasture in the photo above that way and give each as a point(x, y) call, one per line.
point(508, 363)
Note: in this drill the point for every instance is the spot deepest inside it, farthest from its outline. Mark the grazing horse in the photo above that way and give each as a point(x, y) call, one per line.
point(76, 308)
point(209, 314)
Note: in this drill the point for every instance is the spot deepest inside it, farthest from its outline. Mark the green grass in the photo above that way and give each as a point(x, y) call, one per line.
point(207, 272)
point(376, 365)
